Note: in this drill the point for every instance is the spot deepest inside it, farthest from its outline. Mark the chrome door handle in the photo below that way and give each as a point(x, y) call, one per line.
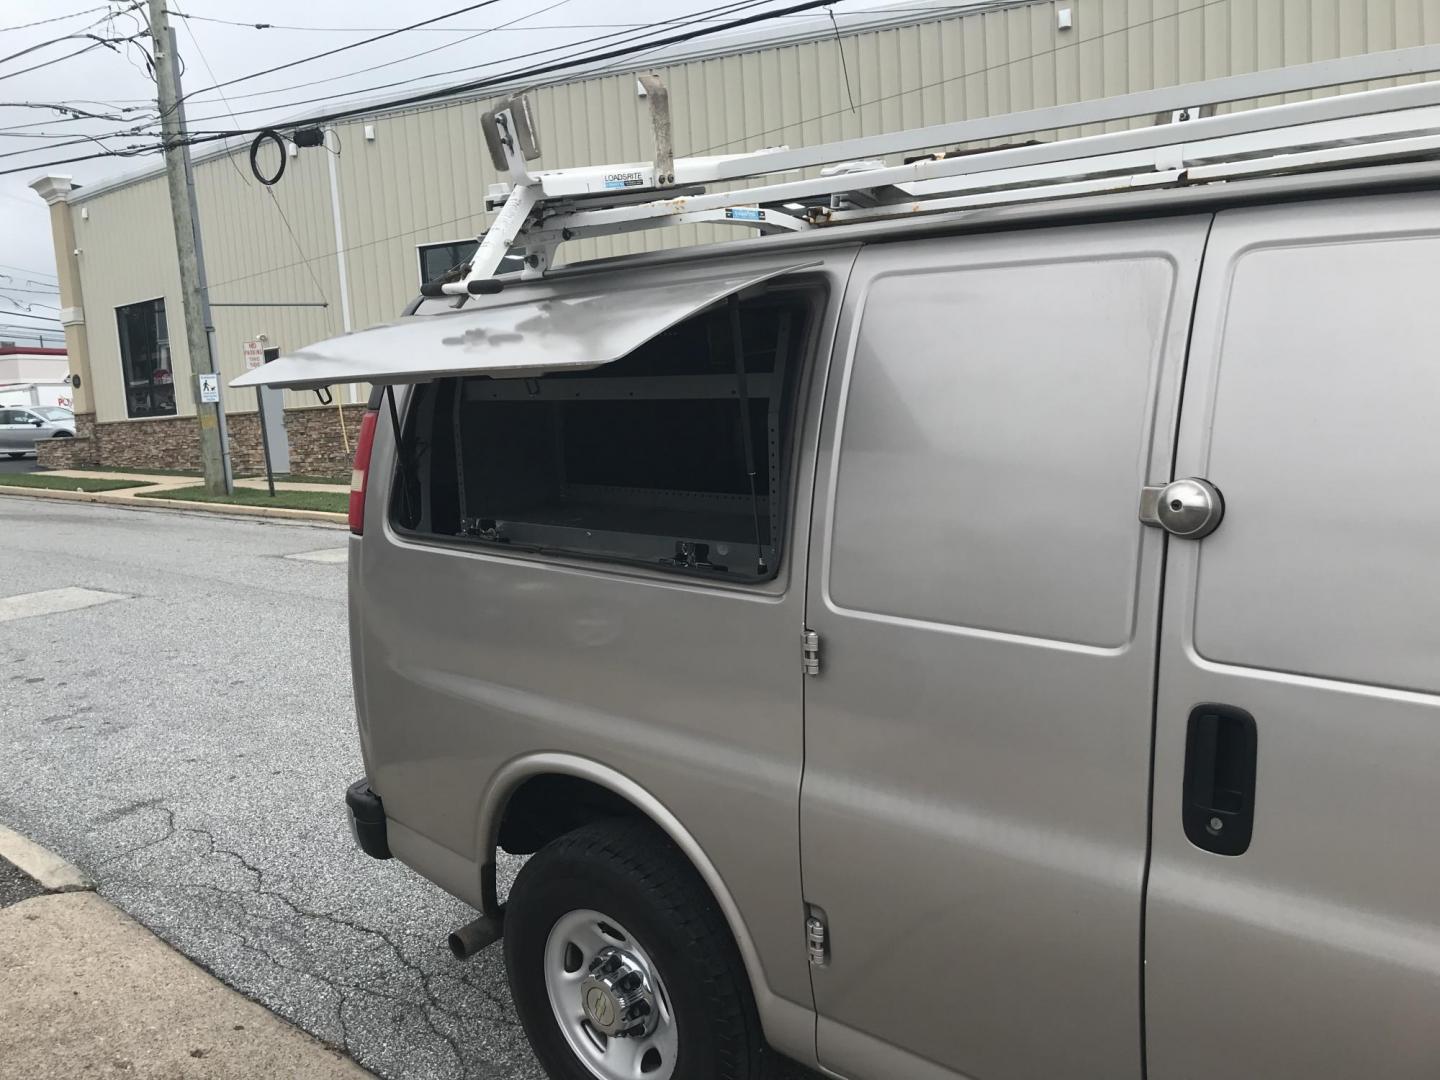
point(1189, 508)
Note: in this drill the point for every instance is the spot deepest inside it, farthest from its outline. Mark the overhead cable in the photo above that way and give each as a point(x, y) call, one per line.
point(338, 49)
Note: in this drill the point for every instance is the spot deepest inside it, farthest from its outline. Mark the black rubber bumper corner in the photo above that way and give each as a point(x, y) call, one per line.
point(367, 819)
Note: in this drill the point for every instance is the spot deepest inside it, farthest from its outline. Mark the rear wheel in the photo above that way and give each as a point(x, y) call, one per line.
point(15, 457)
point(622, 966)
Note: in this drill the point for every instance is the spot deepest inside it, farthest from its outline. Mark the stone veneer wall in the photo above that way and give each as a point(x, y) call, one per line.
point(81, 452)
point(173, 442)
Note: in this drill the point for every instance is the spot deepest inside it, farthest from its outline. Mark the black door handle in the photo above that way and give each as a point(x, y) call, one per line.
point(1219, 798)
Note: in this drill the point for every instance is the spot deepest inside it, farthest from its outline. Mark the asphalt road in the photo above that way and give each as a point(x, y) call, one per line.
point(23, 465)
point(15, 885)
point(187, 742)
point(188, 745)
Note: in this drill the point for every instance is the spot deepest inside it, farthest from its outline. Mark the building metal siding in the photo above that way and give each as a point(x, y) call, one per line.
point(423, 178)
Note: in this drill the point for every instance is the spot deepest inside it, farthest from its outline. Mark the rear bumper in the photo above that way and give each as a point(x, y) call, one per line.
point(367, 819)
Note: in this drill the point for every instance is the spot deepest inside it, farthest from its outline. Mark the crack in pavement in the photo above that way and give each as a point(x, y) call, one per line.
point(430, 1010)
point(170, 830)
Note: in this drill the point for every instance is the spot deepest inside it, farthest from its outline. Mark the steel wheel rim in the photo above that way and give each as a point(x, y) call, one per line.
point(574, 943)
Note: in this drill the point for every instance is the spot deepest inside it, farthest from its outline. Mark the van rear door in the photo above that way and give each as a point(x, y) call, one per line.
point(977, 743)
point(1299, 692)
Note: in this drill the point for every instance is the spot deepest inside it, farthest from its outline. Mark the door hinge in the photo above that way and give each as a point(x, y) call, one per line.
point(817, 939)
point(810, 654)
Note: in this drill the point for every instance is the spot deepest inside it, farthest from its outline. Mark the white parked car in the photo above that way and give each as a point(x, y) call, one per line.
point(22, 428)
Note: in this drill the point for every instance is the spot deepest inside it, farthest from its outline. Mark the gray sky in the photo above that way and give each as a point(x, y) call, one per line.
point(26, 256)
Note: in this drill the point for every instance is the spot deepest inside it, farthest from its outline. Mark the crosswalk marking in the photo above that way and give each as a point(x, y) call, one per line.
point(53, 601)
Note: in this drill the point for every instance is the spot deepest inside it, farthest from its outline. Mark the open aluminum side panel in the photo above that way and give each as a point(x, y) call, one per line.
point(515, 334)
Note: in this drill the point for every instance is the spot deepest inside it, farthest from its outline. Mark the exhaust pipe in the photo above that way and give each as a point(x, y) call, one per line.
point(474, 936)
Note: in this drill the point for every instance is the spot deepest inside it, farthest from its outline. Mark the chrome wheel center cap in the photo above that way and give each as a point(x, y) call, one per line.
point(617, 997)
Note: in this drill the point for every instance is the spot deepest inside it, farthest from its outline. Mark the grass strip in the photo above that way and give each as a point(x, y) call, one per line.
point(337, 502)
point(342, 479)
point(67, 483)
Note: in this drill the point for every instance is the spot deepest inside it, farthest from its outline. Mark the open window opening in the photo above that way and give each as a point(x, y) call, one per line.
point(677, 455)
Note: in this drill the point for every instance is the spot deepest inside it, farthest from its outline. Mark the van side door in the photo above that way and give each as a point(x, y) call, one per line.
point(1293, 913)
point(975, 800)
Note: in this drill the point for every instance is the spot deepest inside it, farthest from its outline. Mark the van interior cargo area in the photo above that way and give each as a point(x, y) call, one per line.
point(642, 460)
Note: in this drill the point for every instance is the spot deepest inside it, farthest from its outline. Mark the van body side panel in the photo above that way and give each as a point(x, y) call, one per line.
point(973, 816)
point(1312, 402)
point(691, 689)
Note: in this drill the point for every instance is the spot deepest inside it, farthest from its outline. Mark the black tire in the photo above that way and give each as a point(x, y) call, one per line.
point(631, 871)
point(16, 457)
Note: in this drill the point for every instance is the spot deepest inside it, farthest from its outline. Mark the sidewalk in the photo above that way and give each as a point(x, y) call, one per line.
point(159, 481)
point(151, 487)
point(87, 991)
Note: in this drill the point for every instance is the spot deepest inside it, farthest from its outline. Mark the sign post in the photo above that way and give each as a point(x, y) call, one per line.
point(255, 356)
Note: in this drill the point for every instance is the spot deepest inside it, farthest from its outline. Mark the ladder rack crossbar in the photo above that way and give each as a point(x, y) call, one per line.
point(1272, 82)
point(1143, 150)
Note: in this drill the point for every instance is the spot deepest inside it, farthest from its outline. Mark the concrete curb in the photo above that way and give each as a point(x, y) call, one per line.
point(52, 873)
point(134, 502)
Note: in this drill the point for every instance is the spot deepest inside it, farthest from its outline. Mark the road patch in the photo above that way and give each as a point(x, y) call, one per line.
point(323, 555)
point(53, 601)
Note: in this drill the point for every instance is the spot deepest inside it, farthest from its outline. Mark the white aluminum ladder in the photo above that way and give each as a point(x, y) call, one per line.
point(540, 210)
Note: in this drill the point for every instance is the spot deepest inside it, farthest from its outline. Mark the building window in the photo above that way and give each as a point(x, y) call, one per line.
point(436, 259)
point(145, 359)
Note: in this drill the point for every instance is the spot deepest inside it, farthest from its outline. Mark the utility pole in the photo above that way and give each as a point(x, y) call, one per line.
point(214, 448)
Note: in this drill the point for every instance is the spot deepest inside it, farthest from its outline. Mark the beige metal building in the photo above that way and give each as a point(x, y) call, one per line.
point(350, 226)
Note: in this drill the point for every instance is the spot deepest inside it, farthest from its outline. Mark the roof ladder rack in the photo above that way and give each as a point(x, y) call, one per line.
point(539, 210)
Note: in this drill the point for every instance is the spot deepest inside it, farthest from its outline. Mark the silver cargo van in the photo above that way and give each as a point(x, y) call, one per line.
point(999, 643)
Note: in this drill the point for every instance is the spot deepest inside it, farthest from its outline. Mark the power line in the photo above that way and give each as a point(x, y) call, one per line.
point(718, 11)
point(341, 48)
point(71, 115)
point(544, 69)
point(96, 139)
point(524, 29)
point(443, 92)
point(82, 157)
point(377, 67)
point(68, 56)
point(27, 270)
point(42, 135)
point(53, 19)
point(97, 43)
point(27, 315)
point(649, 27)
point(29, 305)
point(76, 36)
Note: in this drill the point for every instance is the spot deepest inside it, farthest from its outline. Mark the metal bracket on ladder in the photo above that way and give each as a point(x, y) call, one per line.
point(652, 89)
point(512, 141)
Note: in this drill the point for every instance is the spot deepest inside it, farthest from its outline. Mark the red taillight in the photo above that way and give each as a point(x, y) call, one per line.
point(361, 473)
